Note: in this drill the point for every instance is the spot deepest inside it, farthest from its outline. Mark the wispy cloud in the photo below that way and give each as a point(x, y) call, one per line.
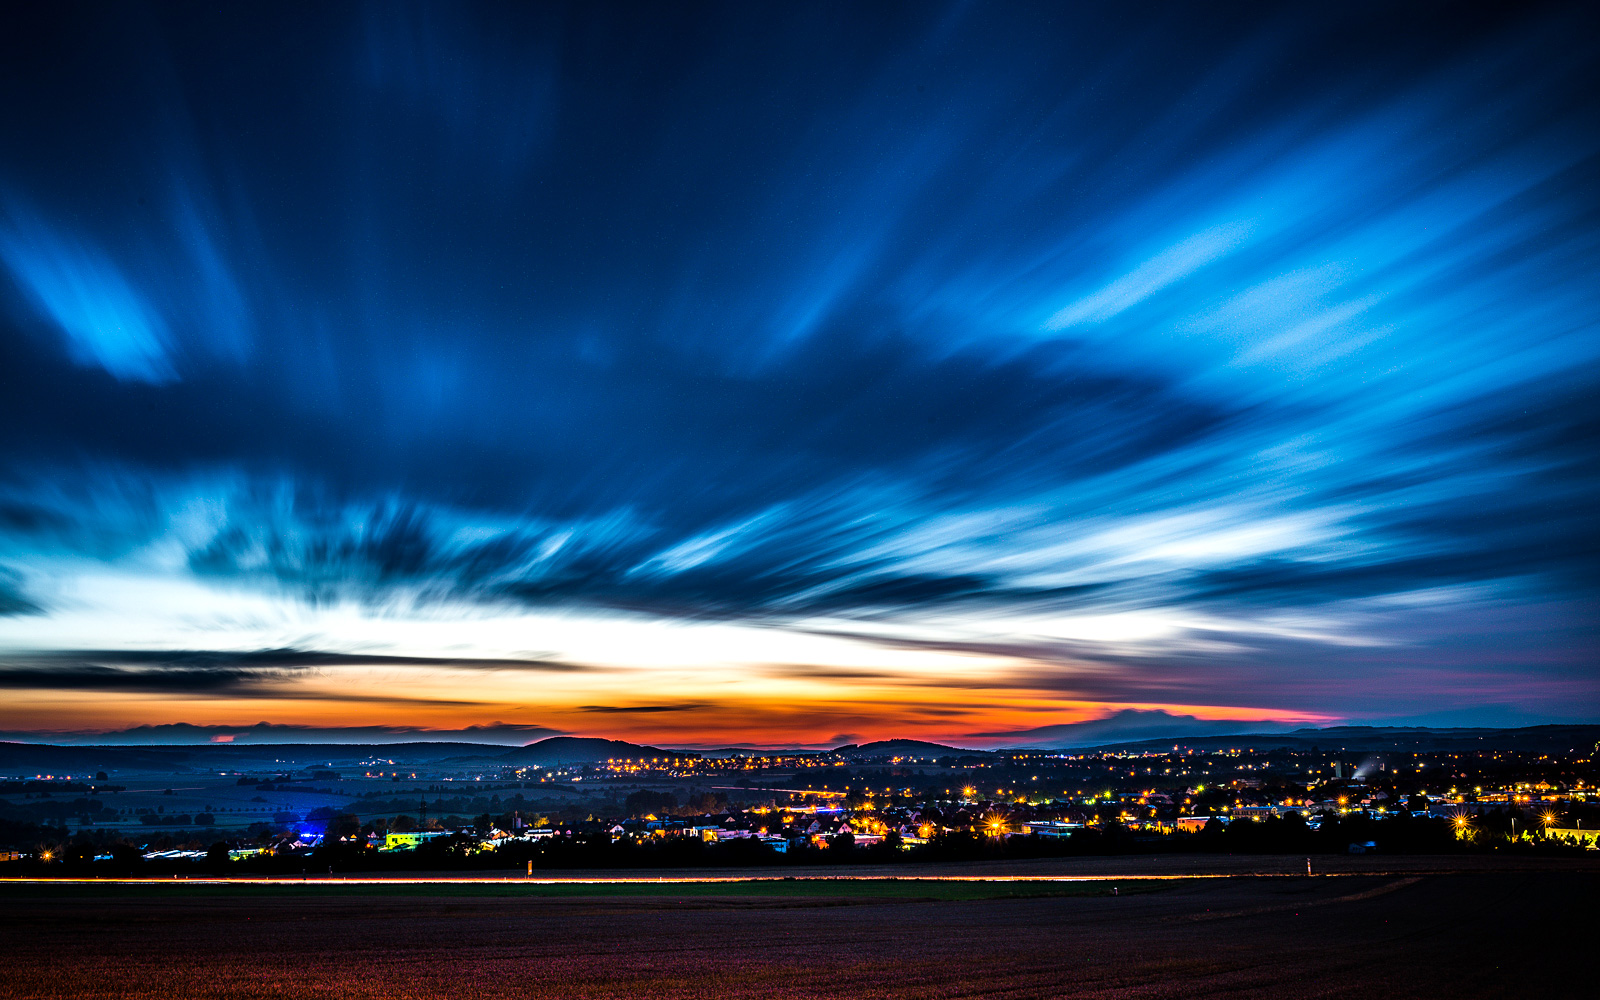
point(269, 733)
point(1182, 360)
point(77, 288)
point(266, 673)
point(642, 709)
point(1165, 268)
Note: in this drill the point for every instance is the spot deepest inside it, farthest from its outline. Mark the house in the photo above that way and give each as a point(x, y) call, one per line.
point(410, 841)
point(1050, 828)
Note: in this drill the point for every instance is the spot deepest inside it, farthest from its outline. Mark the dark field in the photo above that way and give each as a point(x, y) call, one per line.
point(1418, 931)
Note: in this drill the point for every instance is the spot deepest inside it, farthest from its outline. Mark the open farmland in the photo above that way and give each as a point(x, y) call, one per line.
point(1461, 933)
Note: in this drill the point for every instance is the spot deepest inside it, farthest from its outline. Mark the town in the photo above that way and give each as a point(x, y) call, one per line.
point(879, 802)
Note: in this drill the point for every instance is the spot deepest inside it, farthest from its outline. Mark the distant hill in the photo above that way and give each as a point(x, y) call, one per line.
point(581, 750)
point(723, 753)
point(1125, 726)
point(45, 758)
point(1376, 739)
point(904, 748)
point(1139, 729)
point(42, 758)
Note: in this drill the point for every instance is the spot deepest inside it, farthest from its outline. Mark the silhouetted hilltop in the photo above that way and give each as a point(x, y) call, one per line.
point(904, 748)
point(558, 750)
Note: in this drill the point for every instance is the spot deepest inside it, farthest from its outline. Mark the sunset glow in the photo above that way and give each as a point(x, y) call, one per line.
point(968, 374)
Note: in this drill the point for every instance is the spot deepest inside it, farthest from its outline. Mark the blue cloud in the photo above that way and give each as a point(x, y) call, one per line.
point(71, 283)
point(915, 315)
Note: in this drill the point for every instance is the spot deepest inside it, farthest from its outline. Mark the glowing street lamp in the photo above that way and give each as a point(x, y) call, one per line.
point(994, 824)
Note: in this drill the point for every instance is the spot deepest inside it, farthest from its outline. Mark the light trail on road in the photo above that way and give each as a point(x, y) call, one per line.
point(662, 880)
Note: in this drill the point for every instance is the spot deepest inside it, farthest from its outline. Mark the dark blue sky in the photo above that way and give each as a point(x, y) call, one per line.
point(921, 370)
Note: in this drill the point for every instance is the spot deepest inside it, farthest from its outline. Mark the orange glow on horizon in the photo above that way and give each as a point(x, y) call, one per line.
point(986, 718)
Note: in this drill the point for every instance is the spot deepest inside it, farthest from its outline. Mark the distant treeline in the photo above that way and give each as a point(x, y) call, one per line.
point(47, 811)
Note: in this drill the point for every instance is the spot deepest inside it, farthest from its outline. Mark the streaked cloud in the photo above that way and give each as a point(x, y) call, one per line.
point(1170, 265)
point(1209, 365)
point(242, 674)
point(75, 286)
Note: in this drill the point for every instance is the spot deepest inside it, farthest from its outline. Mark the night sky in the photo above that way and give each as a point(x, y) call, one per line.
point(791, 374)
